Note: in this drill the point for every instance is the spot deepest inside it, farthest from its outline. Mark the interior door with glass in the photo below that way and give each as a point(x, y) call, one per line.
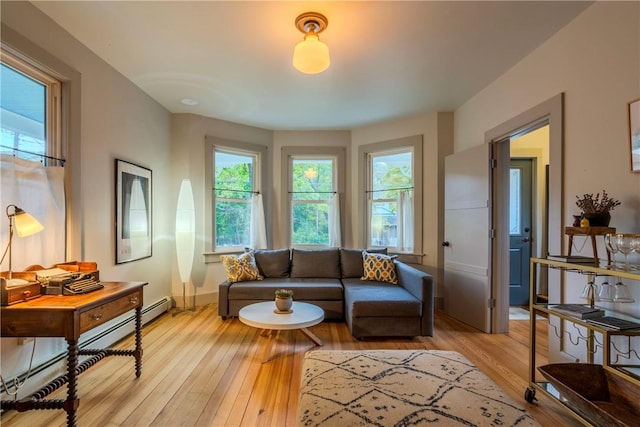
point(467, 242)
point(520, 201)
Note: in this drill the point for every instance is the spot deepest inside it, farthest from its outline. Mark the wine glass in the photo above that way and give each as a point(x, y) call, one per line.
point(612, 247)
point(622, 293)
point(623, 242)
point(590, 293)
point(607, 292)
point(635, 243)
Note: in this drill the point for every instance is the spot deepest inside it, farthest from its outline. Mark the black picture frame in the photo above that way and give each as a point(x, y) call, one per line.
point(133, 226)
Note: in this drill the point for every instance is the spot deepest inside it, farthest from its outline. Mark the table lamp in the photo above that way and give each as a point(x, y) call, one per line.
point(25, 225)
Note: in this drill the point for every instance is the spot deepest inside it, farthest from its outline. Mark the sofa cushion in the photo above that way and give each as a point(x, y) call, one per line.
point(273, 262)
point(241, 267)
point(379, 299)
point(351, 261)
point(315, 263)
point(303, 289)
point(379, 267)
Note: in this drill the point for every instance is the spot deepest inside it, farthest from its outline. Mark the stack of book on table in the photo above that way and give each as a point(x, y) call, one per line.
point(573, 259)
point(614, 323)
point(578, 311)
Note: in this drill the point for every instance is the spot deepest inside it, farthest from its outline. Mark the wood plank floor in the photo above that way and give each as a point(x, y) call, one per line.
point(199, 370)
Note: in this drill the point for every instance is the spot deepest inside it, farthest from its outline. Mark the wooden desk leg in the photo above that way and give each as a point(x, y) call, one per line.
point(570, 244)
point(138, 352)
point(595, 248)
point(71, 404)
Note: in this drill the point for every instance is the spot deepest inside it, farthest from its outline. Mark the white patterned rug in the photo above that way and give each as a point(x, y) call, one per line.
point(401, 388)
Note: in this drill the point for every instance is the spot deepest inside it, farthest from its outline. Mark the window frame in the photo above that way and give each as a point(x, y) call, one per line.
point(260, 184)
point(365, 153)
point(53, 104)
point(289, 154)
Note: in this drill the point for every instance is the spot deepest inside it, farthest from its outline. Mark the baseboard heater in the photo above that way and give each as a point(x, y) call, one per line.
point(113, 334)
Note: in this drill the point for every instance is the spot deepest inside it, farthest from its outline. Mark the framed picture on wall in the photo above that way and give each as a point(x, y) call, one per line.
point(634, 134)
point(133, 212)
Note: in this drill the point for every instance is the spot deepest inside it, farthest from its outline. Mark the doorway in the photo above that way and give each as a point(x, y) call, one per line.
point(510, 141)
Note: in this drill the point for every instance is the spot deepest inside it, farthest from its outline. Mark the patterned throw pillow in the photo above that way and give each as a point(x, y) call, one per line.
point(379, 267)
point(240, 268)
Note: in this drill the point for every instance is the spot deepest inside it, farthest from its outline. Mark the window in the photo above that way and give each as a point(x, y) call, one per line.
point(314, 183)
point(391, 175)
point(234, 185)
point(29, 111)
point(31, 176)
point(234, 176)
point(393, 194)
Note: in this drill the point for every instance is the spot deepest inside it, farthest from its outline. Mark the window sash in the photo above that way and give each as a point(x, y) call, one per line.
point(381, 232)
point(319, 194)
point(51, 146)
point(239, 222)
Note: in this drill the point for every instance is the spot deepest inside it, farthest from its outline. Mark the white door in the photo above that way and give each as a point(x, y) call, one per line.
point(467, 276)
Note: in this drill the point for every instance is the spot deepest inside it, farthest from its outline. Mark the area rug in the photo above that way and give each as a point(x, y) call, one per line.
point(401, 388)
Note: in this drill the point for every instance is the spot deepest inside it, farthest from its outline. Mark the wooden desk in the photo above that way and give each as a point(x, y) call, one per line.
point(591, 232)
point(69, 317)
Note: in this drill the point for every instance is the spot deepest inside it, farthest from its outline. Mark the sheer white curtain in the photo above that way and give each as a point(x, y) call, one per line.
point(335, 238)
point(38, 190)
point(257, 229)
point(405, 221)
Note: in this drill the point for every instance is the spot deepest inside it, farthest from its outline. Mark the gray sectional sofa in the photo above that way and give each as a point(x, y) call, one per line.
point(331, 279)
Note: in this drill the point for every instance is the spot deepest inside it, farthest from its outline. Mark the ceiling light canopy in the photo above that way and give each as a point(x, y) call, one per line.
point(311, 56)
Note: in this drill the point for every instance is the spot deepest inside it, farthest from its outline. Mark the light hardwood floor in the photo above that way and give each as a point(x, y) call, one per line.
point(199, 370)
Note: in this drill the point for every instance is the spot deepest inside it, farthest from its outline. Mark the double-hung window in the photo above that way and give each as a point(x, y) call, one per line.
point(314, 203)
point(235, 177)
point(31, 172)
point(30, 111)
point(393, 194)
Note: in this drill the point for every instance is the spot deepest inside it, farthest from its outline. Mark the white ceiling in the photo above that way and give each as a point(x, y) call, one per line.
point(389, 59)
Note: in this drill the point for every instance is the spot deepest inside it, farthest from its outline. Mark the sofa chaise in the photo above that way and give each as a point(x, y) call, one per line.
point(348, 284)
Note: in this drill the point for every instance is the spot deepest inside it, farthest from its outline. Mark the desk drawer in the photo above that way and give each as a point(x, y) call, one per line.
point(99, 315)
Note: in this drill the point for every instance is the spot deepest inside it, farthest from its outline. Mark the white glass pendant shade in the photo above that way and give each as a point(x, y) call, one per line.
point(311, 56)
point(185, 230)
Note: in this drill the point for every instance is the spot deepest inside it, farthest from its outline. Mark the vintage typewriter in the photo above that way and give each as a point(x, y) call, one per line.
point(69, 283)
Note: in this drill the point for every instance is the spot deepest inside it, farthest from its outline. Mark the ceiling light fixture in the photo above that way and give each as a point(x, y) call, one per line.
point(311, 56)
point(189, 101)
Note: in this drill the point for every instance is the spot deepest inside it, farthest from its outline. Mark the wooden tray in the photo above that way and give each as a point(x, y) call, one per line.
point(598, 395)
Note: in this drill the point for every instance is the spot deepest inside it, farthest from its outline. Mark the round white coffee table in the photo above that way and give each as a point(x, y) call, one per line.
point(263, 315)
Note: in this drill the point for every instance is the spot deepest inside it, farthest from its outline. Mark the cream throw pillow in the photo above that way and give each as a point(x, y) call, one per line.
point(379, 267)
point(240, 268)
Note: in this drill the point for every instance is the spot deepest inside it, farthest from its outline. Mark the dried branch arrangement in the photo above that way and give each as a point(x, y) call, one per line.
point(596, 204)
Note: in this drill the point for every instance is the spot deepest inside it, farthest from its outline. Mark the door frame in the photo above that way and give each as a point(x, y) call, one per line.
point(549, 112)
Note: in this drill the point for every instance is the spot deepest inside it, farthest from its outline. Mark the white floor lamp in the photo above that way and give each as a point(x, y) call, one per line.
point(185, 239)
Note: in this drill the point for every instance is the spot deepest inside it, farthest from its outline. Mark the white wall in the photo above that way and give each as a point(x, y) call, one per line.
point(595, 61)
point(110, 118)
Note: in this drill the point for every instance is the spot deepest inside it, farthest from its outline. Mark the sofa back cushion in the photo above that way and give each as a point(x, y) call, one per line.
point(317, 263)
point(351, 262)
point(273, 262)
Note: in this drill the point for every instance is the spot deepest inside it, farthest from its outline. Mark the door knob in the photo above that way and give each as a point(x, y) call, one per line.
point(526, 239)
point(445, 243)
